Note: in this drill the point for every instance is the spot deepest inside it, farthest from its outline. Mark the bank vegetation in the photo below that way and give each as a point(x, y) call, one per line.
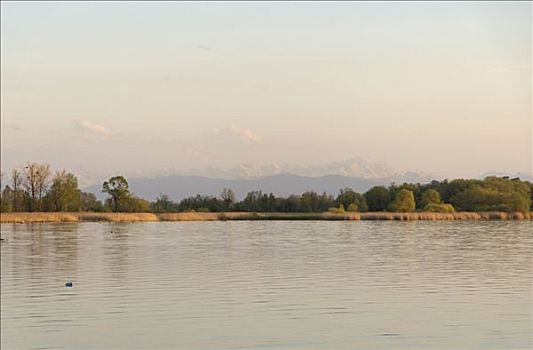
point(33, 193)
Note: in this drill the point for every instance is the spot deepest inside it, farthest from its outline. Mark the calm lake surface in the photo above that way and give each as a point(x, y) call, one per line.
point(268, 285)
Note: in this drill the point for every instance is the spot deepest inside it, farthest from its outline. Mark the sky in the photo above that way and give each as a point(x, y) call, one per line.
point(438, 87)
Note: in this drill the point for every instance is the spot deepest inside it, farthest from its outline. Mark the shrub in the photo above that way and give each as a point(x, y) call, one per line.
point(353, 207)
point(338, 210)
point(439, 208)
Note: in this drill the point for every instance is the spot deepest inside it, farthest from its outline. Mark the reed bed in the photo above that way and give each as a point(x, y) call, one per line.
point(288, 216)
point(118, 217)
point(421, 216)
point(41, 217)
point(21, 218)
point(188, 216)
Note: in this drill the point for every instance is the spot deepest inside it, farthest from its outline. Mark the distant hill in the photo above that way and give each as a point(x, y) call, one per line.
point(181, 186)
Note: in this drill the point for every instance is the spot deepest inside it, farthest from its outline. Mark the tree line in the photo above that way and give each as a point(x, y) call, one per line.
point(35, 188)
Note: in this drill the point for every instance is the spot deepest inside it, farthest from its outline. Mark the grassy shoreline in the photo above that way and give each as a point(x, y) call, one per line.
point(54, 217)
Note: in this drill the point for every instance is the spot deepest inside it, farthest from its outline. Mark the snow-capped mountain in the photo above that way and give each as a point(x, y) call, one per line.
point(356, 167)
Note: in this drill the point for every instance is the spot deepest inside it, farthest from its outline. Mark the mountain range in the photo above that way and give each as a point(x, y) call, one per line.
point(181, 186)
point(355, 167)
point(282, 180)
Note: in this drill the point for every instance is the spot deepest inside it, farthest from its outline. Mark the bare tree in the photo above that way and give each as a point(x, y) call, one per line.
point(30, 183)
point(36, 181)
point(43, 177)
point(228, 198)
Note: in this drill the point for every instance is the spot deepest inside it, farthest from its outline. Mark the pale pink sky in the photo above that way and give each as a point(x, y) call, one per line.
point(437, 87)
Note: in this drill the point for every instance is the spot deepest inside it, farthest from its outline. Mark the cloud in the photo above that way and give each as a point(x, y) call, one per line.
point(244, 134)
point(94, 128)
point(203, 47)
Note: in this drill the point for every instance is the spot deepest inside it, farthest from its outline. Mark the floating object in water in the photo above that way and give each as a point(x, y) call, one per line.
point(68, 284)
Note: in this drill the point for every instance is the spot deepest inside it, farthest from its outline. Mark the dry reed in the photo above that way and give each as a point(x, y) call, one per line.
point(188, 216)
point(39, 217)
point(118, 217)
point(24, 217)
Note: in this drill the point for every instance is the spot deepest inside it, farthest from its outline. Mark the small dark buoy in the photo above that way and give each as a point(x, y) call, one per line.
point(68, 284)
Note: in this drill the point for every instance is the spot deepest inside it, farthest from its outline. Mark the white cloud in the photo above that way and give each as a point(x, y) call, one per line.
point(94, 128)
point(244, 134)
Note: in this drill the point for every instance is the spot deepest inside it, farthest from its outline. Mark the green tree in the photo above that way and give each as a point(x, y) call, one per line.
point(6, 200)
point(118, 189)
point(347, 197)
point(404, 201)
point(310, 201)
point(163, 204)
point(325, 201)
point(252, 201)
point(199, 203)
point(430, 196)
point(133, 204)
point(432, 202)
point(64, 194)
point(6, 196)
point(492, 194)
point(18, 195)
point(377, 198)
point(90, 203)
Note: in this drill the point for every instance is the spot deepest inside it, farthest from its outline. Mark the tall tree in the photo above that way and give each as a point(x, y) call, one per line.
point(351, 199)
point(118, 189)
point(64, 194)
point(35, 182)
point(228, 198)
point(378, 198)
point(43, 176)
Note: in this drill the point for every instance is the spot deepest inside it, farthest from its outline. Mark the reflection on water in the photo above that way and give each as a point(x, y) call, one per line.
point(279, 285)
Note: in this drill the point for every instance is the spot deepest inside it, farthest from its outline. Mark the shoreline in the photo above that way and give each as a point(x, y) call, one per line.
point(58, 217)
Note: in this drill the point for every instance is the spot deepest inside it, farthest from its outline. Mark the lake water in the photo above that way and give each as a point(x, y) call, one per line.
point(268, 285)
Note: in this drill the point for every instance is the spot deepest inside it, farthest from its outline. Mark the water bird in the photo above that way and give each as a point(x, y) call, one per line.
point(68, 284)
